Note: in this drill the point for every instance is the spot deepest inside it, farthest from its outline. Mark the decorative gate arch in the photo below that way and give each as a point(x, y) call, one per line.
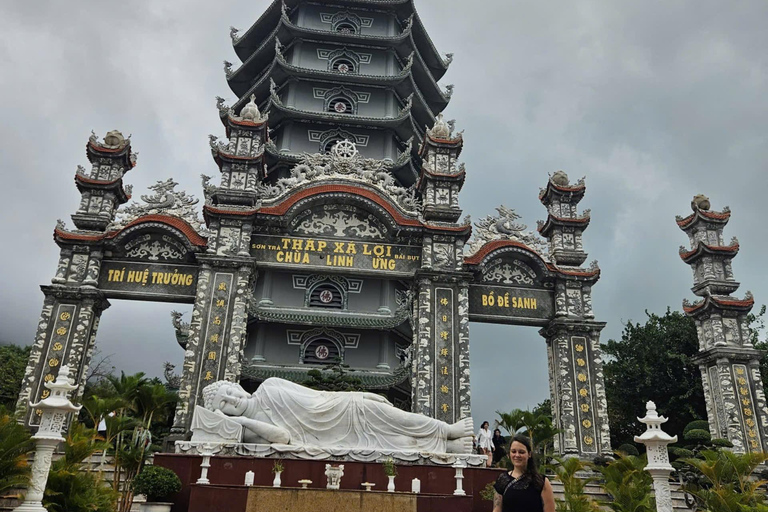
point(338, 219)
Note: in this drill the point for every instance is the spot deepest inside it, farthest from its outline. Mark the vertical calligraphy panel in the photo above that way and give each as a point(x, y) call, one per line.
point(213, 342)
point(445, 356)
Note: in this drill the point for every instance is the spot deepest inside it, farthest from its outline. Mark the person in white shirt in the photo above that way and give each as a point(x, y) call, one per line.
point(485, 443)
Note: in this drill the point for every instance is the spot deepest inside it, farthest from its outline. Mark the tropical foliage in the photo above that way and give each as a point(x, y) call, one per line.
point(15, 445)
point(628, 484)
point(535, 425)
point(72, 486)
point(13, 361)
point(135, 411)
point(574, 487)
point(652, 361)
point(727, 484)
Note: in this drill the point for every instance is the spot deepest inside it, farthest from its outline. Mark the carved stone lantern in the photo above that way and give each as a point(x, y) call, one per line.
point(55, 408)
point(656, 441)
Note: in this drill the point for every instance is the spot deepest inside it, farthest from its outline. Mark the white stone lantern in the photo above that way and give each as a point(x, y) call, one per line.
point(55, 408)
point(656, 441)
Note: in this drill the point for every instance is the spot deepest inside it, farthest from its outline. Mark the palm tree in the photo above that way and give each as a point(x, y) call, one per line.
point(628, 484)
point(538, 427)
point(576, 500)
point(15, 445)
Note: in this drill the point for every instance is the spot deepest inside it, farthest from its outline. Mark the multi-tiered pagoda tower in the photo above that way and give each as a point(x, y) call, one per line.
point(363, 71)
point(729, 362)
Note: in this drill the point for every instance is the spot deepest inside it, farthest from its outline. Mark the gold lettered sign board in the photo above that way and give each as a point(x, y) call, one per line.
point(335, 254)
point(148, 281)
point(510, 304)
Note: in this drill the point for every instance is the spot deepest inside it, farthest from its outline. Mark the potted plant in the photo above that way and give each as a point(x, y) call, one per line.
point(157, 484)
point(390, 469)
point(277, 469)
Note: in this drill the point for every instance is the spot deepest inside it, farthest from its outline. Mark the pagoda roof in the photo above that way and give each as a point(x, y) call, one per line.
point(553, 189)
point(122, 153)
point(254, 37)
point(403, 83)
point(403, 125)
point(330, 318)
point(84, 183)
point(706, 216)
point(552, 221)
point(242, 78)
point(702, 248)
point(370, 379)
point(720, 303)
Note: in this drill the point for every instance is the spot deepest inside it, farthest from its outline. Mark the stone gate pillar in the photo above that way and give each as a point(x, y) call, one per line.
point(576, 378)
point(440, 381)
point(729, 363)
point(217, 330)
point(73, 304)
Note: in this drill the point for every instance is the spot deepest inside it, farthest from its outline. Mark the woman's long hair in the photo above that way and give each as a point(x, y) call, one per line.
point(531, 470)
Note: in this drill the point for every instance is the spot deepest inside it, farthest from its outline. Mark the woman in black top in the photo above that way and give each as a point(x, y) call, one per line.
point(523, 489)
point(499, 449)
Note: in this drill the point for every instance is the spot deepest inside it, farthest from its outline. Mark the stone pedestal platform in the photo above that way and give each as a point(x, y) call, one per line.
point(227, 492)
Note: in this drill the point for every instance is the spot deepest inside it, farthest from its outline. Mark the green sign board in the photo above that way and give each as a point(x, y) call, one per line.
point(334, 254)
point(148, 281)
point(510, 304)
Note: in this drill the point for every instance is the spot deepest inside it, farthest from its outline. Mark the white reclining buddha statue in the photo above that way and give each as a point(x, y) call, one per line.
point(286, 413)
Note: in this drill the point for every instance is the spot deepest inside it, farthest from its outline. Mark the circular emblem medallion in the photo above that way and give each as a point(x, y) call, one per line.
point(326, 296)
point(322, 352)
point(340, 107)
point(343, 68)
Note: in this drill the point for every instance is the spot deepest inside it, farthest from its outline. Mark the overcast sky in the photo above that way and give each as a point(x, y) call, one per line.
point(653, 101)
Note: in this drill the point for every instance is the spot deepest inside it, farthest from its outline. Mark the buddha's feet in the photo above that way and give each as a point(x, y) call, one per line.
point(463, 445)
point(462, 428)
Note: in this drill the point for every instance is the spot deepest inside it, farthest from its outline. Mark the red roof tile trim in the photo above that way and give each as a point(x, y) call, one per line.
point(725, 303)
point(476, 258)
point(704, 213)
point(97, 147)
point(246, 123)
point(188, 231)
point(284, 206)
point(715, 248)
point(95, 182)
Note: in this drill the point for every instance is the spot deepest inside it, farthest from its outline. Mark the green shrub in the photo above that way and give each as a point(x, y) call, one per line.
point(722, 443)
point(488, 492)
point(156, 483)
point(696, 425)
point(628, 449)
point(681, 453)
point(698, 435)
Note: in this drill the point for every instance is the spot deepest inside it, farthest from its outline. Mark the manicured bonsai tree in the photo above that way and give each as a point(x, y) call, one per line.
point(156, 483)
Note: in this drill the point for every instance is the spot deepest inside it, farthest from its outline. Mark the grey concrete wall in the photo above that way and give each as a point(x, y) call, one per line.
point(305, 54)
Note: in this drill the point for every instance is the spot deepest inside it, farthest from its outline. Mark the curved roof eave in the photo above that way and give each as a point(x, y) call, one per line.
point(250, 39)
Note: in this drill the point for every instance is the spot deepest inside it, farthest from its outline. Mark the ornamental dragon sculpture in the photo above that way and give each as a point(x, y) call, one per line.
point(504, 227)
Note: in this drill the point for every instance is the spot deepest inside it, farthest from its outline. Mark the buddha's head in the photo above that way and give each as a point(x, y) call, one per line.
point(227, 397)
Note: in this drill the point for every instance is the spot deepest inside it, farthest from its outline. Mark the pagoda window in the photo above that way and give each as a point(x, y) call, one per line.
point(322, 350)
point(346, 28)
point(326, 294)
point(341, 105)
point(346, 23)
point(344, 65)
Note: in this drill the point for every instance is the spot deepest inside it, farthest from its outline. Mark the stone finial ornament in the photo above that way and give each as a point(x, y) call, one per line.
point(114, 139)
point(700, 202)
point(440, 130)
point(560, 178)
point(250, 112)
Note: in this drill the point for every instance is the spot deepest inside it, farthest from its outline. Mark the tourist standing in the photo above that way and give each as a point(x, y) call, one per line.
point(523, 488)
point(485, 443)
point(499, 448)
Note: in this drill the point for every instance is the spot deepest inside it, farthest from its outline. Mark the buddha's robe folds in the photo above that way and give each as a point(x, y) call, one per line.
point(344, 419)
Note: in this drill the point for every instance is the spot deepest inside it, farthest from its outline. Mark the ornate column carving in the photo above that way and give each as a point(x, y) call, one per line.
point(729, 363)
point(577, 384)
